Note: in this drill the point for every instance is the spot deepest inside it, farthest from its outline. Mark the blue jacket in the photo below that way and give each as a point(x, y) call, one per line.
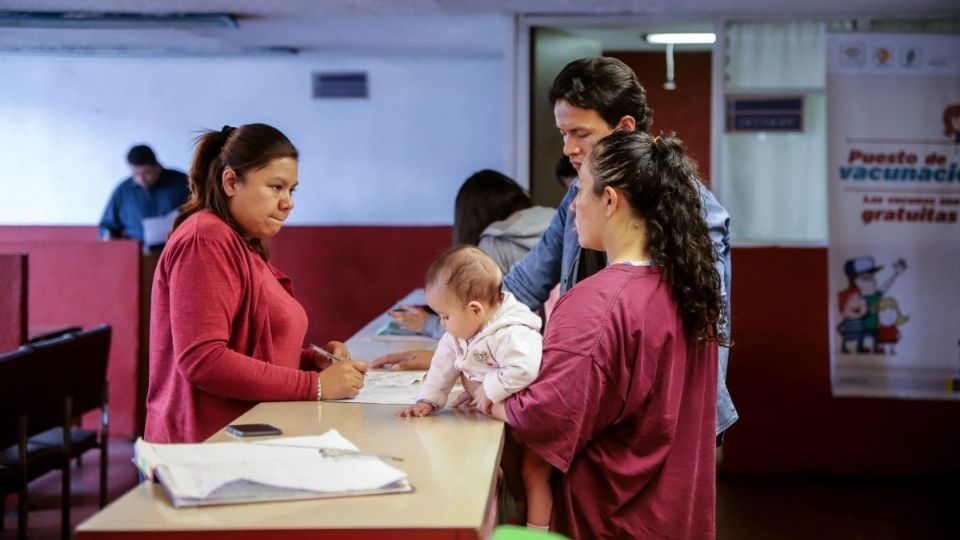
point(130, 204)
point(555, 257)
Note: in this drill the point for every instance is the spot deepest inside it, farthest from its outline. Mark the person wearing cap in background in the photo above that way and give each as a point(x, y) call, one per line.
point(861, 273)
point(150, 191)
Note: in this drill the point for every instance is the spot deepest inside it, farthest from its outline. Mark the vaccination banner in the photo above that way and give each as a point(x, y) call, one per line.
point(893, 105)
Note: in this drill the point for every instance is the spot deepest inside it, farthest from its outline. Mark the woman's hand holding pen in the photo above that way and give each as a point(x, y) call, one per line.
point(410, 317)
point(329, 354)
point(340, 379)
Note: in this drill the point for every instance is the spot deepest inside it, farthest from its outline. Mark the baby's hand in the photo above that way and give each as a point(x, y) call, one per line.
point(418, 410)
point(484, 404)
point(464, 400)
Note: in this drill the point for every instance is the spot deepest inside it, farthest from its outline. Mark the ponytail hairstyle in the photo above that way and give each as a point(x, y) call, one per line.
point(486, 197)
point(661, 187)
point(243, 149)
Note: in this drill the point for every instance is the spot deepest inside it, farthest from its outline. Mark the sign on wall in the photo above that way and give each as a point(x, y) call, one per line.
point(894, 202)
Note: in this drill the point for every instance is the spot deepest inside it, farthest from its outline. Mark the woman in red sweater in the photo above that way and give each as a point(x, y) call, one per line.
point(225, 329)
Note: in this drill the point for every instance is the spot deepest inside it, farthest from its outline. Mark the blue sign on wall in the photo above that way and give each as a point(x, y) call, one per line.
point(764, 113)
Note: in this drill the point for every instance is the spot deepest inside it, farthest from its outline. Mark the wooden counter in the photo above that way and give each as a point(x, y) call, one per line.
point(451, 459)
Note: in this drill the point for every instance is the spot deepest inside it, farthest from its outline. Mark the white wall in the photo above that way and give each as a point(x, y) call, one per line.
point(395, 158)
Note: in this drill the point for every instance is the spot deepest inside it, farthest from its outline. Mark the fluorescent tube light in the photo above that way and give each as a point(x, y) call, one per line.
point(685, 38)
point(99, 19)
point(133, 51)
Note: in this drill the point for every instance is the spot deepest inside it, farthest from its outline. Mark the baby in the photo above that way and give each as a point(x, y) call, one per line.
point(495, 342)
point(491, 338)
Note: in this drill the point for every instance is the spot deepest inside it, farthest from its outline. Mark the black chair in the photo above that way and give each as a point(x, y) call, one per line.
point(85, 378)
point(54, 333)
point(43, 395)
point(12, 432)
point(36, 396)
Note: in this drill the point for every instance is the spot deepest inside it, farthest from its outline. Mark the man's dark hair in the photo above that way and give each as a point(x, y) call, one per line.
point(605, 85)
point(141, 155)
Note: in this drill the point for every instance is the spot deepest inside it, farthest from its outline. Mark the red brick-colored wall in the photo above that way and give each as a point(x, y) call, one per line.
point(685, 110)
point(83, 283)
point(344, 276)
point(779, 377)
point(13, 300)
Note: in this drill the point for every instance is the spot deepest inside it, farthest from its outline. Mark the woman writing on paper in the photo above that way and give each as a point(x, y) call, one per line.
point(225, 329)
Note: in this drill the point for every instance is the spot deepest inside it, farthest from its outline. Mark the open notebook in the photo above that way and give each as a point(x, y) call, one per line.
point(268, 470)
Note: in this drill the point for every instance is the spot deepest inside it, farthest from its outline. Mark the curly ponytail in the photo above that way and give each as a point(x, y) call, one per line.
point(243, 149)
point(660, 185)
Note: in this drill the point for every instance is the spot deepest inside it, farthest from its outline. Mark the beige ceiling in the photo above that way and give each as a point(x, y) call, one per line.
point(403, 27)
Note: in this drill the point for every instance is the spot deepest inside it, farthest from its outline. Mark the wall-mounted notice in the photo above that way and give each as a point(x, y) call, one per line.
point(894, 191)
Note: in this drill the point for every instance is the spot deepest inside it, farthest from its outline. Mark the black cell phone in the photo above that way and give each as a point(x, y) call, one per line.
point(253, 430)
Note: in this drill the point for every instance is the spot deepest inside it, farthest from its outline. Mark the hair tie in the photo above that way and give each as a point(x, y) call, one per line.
point(225, 134)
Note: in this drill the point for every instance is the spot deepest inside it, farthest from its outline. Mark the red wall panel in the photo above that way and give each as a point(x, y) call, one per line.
point(346, 276)
point(45, 233)
point(779, 377)
point(685, 110)
point(13, 300)
point(83, 284)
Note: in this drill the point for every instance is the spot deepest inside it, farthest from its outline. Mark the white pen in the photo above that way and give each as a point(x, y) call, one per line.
point(325, 353)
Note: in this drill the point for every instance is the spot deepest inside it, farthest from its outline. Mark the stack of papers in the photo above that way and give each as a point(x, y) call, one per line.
point(274, 469)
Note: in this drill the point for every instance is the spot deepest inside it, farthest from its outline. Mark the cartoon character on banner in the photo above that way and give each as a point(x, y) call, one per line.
point(859, 324)
point(890, 318)
point(951, 125)
point(852, 310)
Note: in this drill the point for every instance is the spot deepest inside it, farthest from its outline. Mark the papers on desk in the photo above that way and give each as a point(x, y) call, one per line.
point(273, 469)
point(389, 388)
point(392, 388)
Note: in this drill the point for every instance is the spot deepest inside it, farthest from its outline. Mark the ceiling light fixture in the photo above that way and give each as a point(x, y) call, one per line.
point(108, 20)
point(130, 51)
point(670, 83)
point(684, 38)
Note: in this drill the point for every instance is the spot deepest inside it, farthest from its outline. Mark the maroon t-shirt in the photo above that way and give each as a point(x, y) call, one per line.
point(625, 408)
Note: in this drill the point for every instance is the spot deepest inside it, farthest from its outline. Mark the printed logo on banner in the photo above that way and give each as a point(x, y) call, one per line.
point(881, 56)
point(910, 57)
point(853, 54)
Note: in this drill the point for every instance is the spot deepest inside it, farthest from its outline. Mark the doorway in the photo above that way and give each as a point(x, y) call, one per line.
point(684, 109)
